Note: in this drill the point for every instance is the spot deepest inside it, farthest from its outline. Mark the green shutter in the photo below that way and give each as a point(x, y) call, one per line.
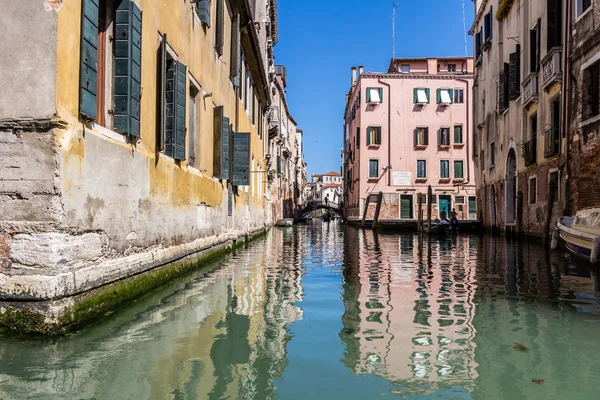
point(368, 95)
point(415, 95)
point(426, 137)
point(440, 137)
point(161, 139)
point(457, 134)
point(180, 111)
point(416, 137)
point(380, 90)
point(427, 93)
point(451, 95)
point(458, 169)
point(438, 95)
point(358, 137)
point(128, 69)
point(278, 164)
point(89, 60)
point(234, 66)
point(241, 158)
point(203, 11)
point(221, 141)
point(220, 27)
point(368, 136)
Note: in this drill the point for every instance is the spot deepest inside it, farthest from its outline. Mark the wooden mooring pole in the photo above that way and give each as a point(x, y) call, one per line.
point(429, 197)
point(420, 213)
point(549, 209)
point(377, 209)
point(362, 225)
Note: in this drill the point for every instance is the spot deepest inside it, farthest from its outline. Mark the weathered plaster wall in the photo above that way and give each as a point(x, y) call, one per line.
point(28, 63)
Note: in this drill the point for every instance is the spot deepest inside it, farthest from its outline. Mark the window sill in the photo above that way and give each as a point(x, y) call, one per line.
point(373, 146)
point(420, 147)
point(108, 133)
point(372, 178)
point(420, 180)
point(443, 146)
point(458, 180)
point(589, 121)
point(444, 180)
point(458, 145)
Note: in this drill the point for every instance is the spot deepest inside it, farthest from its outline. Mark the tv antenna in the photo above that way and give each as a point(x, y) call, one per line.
point(394, 29)
point(465, 28)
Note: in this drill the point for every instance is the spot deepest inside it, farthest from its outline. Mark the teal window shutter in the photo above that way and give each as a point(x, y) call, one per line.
point(235, 65)
point(416, 137)
point(427, 93)
point(89, 61)
point(426, 137)
point(415, 98)
point(457, 134)
point(439, 96)
point(221, 142)
point(169, 135)
point(458, 170)
point(368, 95)
point(380, 90)
point(241, 158)
point(203, 11)
point(451, 95)
point(369, 129)
point(220, 27)
point(128, 69)
point(180, 110)
point(161, 139)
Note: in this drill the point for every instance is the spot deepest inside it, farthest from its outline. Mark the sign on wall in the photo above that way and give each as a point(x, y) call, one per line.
point(401, 178)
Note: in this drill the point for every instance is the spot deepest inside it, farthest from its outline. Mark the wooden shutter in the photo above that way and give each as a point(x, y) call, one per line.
point(88, 101)
point(416, 137)
point(427, 94)
point(514, 73)
point(554, 26)
point(128, 69)
point(160, 140)
point(380, 90)
point(358, 137)
point(220, 27)
point(415, 95)
point(457, 134)
point(426, 137)
point(369, 136)
point(235, 65)
point(491, 33)
point(241, 158)
point(451, 95)
point(538, 30)
point(368, 95)
point(438, 95)
point(378, 135)
point(180, 111)
point(278, 164)
point(203, 10)
point(221, 142)
point(458, 169)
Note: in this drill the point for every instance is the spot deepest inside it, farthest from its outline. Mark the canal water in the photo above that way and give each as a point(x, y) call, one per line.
point(323, 311)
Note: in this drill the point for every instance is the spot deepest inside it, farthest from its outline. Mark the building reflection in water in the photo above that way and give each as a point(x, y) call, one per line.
point(218, 334)
point(409, 310)
point(441, 316)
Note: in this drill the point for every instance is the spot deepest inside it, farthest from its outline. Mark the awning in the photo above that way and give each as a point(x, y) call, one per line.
point(375, 96)
point(445, 97)
point(421, 96)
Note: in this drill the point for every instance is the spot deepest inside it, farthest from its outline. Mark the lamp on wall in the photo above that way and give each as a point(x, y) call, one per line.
point(206, 94)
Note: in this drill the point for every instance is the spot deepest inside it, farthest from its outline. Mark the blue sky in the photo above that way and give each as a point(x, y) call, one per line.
point(319, 40)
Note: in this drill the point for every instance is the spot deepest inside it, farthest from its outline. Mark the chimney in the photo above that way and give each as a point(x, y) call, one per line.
point(360, 70)
point(353, 75)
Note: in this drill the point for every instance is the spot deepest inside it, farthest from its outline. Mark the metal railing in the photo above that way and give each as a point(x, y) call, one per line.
point(530, 151)
point(551, 141)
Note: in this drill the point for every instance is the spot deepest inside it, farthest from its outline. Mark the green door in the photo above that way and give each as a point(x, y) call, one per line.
point(444, 204)
point(406, 207)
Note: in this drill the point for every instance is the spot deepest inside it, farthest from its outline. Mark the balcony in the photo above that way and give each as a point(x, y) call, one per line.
point(530, 89)
point(551, 142)
point(530, 151)
point(551, 68)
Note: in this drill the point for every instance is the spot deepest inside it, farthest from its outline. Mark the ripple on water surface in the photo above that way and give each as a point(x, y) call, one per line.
point(326, 311)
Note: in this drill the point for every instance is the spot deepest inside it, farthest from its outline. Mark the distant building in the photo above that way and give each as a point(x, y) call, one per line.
point(407, 129)
point(326, 186)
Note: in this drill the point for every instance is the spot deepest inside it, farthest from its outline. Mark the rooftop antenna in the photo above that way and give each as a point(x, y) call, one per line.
point(394, 29)
point(465, 28)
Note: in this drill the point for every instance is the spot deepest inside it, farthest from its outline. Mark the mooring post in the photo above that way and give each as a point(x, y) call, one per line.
point(420, 213)
point(429, 197)
point(362, 225)
point(549, 209)
point(377, 209)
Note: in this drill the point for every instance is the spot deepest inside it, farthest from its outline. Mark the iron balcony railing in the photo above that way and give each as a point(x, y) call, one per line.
point(530, 151)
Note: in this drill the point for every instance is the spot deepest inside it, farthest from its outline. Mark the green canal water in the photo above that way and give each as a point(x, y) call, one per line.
point(323, 311)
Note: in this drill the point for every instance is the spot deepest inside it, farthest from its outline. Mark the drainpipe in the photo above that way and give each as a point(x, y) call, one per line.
point(389, 165)
point(566, 79)
point(467, 139)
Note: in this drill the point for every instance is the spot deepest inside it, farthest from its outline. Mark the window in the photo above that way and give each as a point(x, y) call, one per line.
point(423, 199)
point(487, 24)
point(374, 95)
point(439, 68)
point(421, 169)
point(203, 11)
point(444, 96)
point(260, 119)
point(459, 199)
point(534, 48)
point(553, 24)
point(459, 96)
point(444, 137)
point(458, 134)
point(444, 169)
point(405, 68)
point(221, 145)
point(591, 93)
point(358, 137)
point(531, 144)
point(373, 168)
point(478, 45)
point(194, 125)
point(458, 170)
point(472, 205)
point(220, 27)
point(235, 66)
point(421, 136)
point(582, 6)
point(553, 179)
point(492, 154)
point(532, 190)
point(248, 90)
point(421, 96)
point(373, 136)
point(110, 83)
point(514, 74)
point(451, 67)
point(482, 160)
point(174, 102)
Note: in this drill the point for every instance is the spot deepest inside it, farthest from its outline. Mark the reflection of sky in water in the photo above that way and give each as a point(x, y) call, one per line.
point(322, 312)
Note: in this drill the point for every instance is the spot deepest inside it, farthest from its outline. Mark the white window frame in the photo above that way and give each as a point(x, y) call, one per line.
point(402, 68)
point(373, 159)
point(463, 95)
point(579, 13)
point(449, 171)
point(455, 67)
point(421, 177)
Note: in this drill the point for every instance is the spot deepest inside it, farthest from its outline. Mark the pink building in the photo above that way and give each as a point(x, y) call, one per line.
point(408, 129)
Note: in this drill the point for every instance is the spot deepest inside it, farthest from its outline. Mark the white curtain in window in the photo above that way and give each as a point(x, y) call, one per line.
point(445, 97)
point(375, 96)
point(421, 96)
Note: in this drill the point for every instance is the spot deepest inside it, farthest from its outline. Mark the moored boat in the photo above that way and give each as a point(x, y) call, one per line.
point(285, 222)
point(580, 233)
